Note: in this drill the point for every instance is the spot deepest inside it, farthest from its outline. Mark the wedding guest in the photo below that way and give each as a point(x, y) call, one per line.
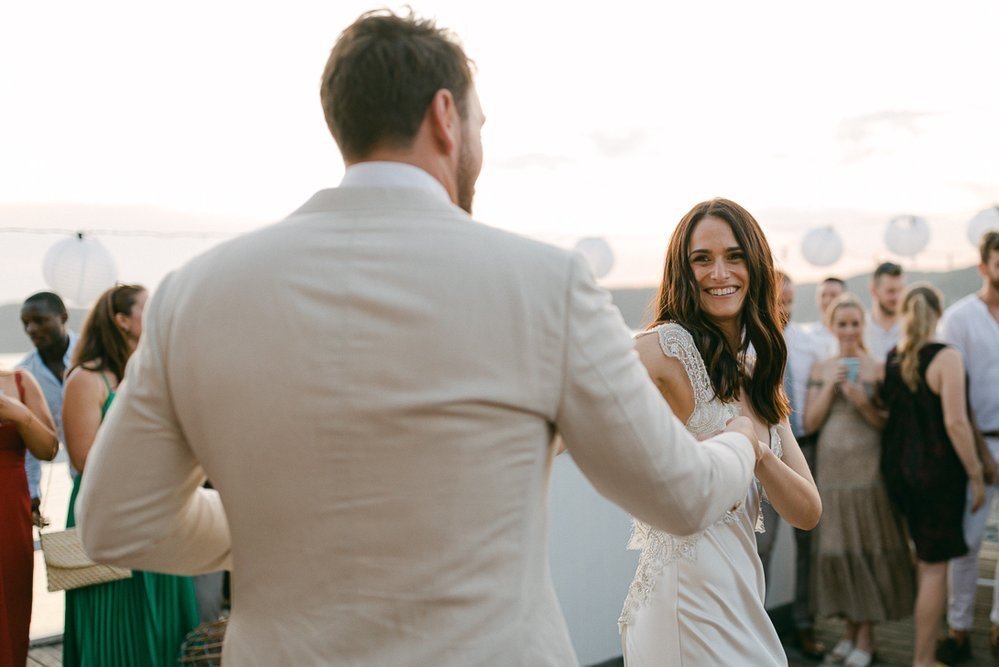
point(972, 326)
point(715, 351)
point(25, 426)
point(141, 620)
point(862, 569)
point(929, 456)
point(373, 386)
point(801, 356)
point(44, 317)
point(887, 286)
point(826, 292)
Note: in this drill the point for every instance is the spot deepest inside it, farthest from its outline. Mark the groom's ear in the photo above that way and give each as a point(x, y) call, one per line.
point(444, 122)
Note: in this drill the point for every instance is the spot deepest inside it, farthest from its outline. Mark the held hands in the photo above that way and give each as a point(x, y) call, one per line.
point(744, 425)
point(853, 392)
point(834, 374)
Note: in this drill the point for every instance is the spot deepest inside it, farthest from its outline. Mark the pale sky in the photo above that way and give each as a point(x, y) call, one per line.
point(609, 120)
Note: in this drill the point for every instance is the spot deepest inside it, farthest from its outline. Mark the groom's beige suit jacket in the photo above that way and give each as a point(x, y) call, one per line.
point(373, 386)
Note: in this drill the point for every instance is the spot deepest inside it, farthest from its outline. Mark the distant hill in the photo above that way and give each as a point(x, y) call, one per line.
point(633, 303)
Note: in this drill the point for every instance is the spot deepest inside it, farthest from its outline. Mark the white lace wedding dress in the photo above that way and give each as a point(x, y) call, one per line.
point(698, 600)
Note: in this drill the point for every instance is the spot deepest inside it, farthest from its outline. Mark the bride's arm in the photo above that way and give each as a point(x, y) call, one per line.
point(668, 375)
point(788, 483)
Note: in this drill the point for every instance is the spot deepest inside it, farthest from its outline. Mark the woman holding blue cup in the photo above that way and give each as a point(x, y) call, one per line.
point(863, 569)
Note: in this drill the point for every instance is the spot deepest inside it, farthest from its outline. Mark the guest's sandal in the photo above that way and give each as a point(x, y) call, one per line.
point(840, 652)
point(859, 658)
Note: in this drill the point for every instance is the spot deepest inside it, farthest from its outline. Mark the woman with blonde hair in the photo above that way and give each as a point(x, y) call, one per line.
point(862, 569)
point(928, 453)
point(142, 620)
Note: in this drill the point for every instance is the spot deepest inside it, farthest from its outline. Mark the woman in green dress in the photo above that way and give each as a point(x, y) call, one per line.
point(141, 621)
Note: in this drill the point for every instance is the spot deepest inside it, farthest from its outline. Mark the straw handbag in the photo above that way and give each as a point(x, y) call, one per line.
point(203, 646)
point(68, 565)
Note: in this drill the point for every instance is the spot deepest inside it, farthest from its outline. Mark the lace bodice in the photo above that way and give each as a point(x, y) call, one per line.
point(709, 417)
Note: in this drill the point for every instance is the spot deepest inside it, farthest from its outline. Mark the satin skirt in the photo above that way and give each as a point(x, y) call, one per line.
point(706, 605)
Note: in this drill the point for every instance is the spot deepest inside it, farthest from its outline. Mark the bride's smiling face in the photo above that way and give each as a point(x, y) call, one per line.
point(720, 270)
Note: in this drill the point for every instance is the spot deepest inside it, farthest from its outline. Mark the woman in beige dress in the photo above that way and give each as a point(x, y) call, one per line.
point(863, 568)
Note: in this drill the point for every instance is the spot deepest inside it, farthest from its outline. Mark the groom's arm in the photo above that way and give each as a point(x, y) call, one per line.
point(622, 434)
point(141, 504)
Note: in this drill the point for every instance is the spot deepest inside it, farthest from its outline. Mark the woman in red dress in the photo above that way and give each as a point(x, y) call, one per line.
point(25, 422)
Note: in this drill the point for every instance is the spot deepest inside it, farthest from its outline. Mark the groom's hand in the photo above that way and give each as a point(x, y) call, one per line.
point(744, 425)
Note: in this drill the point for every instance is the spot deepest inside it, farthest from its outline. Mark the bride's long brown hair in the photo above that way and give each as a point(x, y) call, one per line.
point(762, 319)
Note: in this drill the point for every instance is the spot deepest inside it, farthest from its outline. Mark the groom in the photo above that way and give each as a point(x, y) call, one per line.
point(373, 386)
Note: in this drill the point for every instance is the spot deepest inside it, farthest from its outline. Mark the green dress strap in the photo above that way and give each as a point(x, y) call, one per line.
point(107, 403)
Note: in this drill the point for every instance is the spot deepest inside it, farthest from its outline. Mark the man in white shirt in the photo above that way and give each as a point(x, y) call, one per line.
point(827, 291)
point(802, 353)
point(972, 326)
point(883, 327)
point(373, 386)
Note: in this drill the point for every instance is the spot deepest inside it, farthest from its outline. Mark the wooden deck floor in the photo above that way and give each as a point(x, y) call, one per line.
point(45, 656)
point(894, 640)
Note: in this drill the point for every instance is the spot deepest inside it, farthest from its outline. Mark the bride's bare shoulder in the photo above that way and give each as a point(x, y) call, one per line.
point(667, 372)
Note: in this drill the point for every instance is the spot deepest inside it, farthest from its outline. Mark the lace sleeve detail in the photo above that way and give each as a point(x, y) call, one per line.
point(639, 535)
point(709, 415)
point(776, 446)
point(677, 342)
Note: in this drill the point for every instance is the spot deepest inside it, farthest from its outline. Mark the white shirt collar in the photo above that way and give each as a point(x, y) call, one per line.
point(392, 175)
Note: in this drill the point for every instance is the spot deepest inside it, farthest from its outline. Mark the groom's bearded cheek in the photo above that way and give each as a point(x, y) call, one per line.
point(466, 176)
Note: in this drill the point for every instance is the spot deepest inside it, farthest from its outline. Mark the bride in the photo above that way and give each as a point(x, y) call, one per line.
point(716, 351)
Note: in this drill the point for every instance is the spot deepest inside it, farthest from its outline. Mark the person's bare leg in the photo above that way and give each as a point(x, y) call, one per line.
point(850, 631)
point(865, 637)
point(846, 643)
point(931, 597)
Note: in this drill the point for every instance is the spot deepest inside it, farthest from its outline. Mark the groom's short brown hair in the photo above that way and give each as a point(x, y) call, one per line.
point(381, 76)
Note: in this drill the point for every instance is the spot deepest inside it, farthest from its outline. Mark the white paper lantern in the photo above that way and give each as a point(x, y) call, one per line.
point(79, 269)
point(598, 254)
point(822, 246)
point(907, 235)
point(985, 221)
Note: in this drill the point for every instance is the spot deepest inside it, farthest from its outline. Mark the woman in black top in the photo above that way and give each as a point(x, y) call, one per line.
point(928, 453)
